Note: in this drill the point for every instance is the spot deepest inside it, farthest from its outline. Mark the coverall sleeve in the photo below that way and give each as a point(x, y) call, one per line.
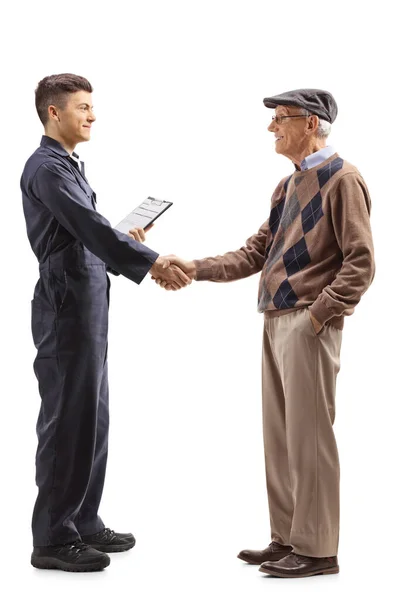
point(55, 186)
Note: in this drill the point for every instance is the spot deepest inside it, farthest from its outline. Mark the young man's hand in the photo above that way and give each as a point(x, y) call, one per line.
point(139, 234)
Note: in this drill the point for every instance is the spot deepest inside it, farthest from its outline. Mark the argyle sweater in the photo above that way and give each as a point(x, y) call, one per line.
point(315, 250)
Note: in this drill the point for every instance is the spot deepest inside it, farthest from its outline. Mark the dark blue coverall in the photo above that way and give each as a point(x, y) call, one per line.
point(75, 247)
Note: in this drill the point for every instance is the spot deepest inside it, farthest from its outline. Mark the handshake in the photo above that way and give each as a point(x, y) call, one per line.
point(169, 272)
point(173, 273)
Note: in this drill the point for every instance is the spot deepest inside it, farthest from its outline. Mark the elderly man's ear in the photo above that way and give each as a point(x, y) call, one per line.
point(312, 124)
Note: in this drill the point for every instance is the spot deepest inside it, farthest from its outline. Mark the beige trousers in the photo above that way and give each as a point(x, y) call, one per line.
point(301, 458)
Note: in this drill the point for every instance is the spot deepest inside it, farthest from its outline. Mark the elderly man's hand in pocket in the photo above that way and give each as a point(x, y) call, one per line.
point(316, 324)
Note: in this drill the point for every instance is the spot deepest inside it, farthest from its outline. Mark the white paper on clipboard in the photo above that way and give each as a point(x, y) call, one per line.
point(143, 215)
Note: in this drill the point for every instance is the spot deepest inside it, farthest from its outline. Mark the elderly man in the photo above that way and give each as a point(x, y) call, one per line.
point(315, 254)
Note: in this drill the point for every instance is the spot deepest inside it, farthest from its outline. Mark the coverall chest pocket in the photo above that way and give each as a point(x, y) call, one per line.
point(88, 192)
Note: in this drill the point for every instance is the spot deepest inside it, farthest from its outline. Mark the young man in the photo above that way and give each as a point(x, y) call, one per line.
point(315, 254)
point(75, 246)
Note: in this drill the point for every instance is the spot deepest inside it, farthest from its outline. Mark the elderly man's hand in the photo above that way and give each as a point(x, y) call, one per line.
point(139, 234)
point(316, 324)
point(186, 266)
point(173, 276)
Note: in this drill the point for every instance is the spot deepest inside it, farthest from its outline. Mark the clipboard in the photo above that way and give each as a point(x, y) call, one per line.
point(143, 215)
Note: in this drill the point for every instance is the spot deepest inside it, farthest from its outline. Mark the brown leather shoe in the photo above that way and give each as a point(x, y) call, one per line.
point(275, 551)
point(295, 565)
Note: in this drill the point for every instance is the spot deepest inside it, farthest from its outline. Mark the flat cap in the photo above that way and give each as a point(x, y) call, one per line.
point(317, 102)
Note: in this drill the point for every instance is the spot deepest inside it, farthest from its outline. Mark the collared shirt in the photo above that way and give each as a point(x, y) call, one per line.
point(60, 212)
point(75, 158)
point(313, 160)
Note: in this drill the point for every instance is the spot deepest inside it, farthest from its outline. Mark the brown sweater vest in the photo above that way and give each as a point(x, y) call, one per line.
point(315, 249)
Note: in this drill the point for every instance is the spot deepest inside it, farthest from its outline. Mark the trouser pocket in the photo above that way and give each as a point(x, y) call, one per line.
point(59, 285)
point(36, 322)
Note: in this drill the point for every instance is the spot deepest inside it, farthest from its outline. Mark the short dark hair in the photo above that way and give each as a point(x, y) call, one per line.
point(54, 89)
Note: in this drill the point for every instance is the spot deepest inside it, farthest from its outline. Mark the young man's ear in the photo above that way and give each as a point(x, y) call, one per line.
point(53, 112)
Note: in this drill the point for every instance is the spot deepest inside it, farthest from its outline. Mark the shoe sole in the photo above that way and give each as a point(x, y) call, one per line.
point(253, 562)
point(109, 548)
point(46, 562)
point(329, 571)
point(249, 562)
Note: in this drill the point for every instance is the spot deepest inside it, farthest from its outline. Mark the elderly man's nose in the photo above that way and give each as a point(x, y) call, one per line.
point(272, 126)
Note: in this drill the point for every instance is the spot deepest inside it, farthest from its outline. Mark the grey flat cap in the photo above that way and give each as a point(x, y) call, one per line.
point(317, 102)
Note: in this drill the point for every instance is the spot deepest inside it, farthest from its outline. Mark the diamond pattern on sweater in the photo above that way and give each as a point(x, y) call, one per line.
point(285, 296)
point(275, 216)
point(276, 212)
point(284, 214)
point(275, 253)
point(325, 173)
point(297, 257)
point(312, 213)
point(290, 211)
point(265, 297)
point(285, 185)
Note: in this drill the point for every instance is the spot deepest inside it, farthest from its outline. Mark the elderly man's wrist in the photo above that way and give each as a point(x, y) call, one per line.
point(320, 312)
point(203, 270)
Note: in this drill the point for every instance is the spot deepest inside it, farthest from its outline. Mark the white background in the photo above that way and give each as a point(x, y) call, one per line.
point(178, 97)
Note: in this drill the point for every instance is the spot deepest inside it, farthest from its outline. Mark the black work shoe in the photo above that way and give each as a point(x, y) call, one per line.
point(76, 556)
point(108, 540)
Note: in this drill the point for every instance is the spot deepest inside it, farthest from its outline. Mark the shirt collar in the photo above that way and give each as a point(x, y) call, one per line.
point(76, 160)
point(313, 160)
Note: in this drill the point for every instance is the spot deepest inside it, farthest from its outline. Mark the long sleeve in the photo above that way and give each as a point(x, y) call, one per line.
point(242, 263)
point(56, 188)
point(350, 212)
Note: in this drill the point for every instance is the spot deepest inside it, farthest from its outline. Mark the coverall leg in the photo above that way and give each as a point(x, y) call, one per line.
point(70, 326)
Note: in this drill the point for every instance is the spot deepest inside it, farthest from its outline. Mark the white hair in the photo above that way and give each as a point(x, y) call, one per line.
point(324, 127)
